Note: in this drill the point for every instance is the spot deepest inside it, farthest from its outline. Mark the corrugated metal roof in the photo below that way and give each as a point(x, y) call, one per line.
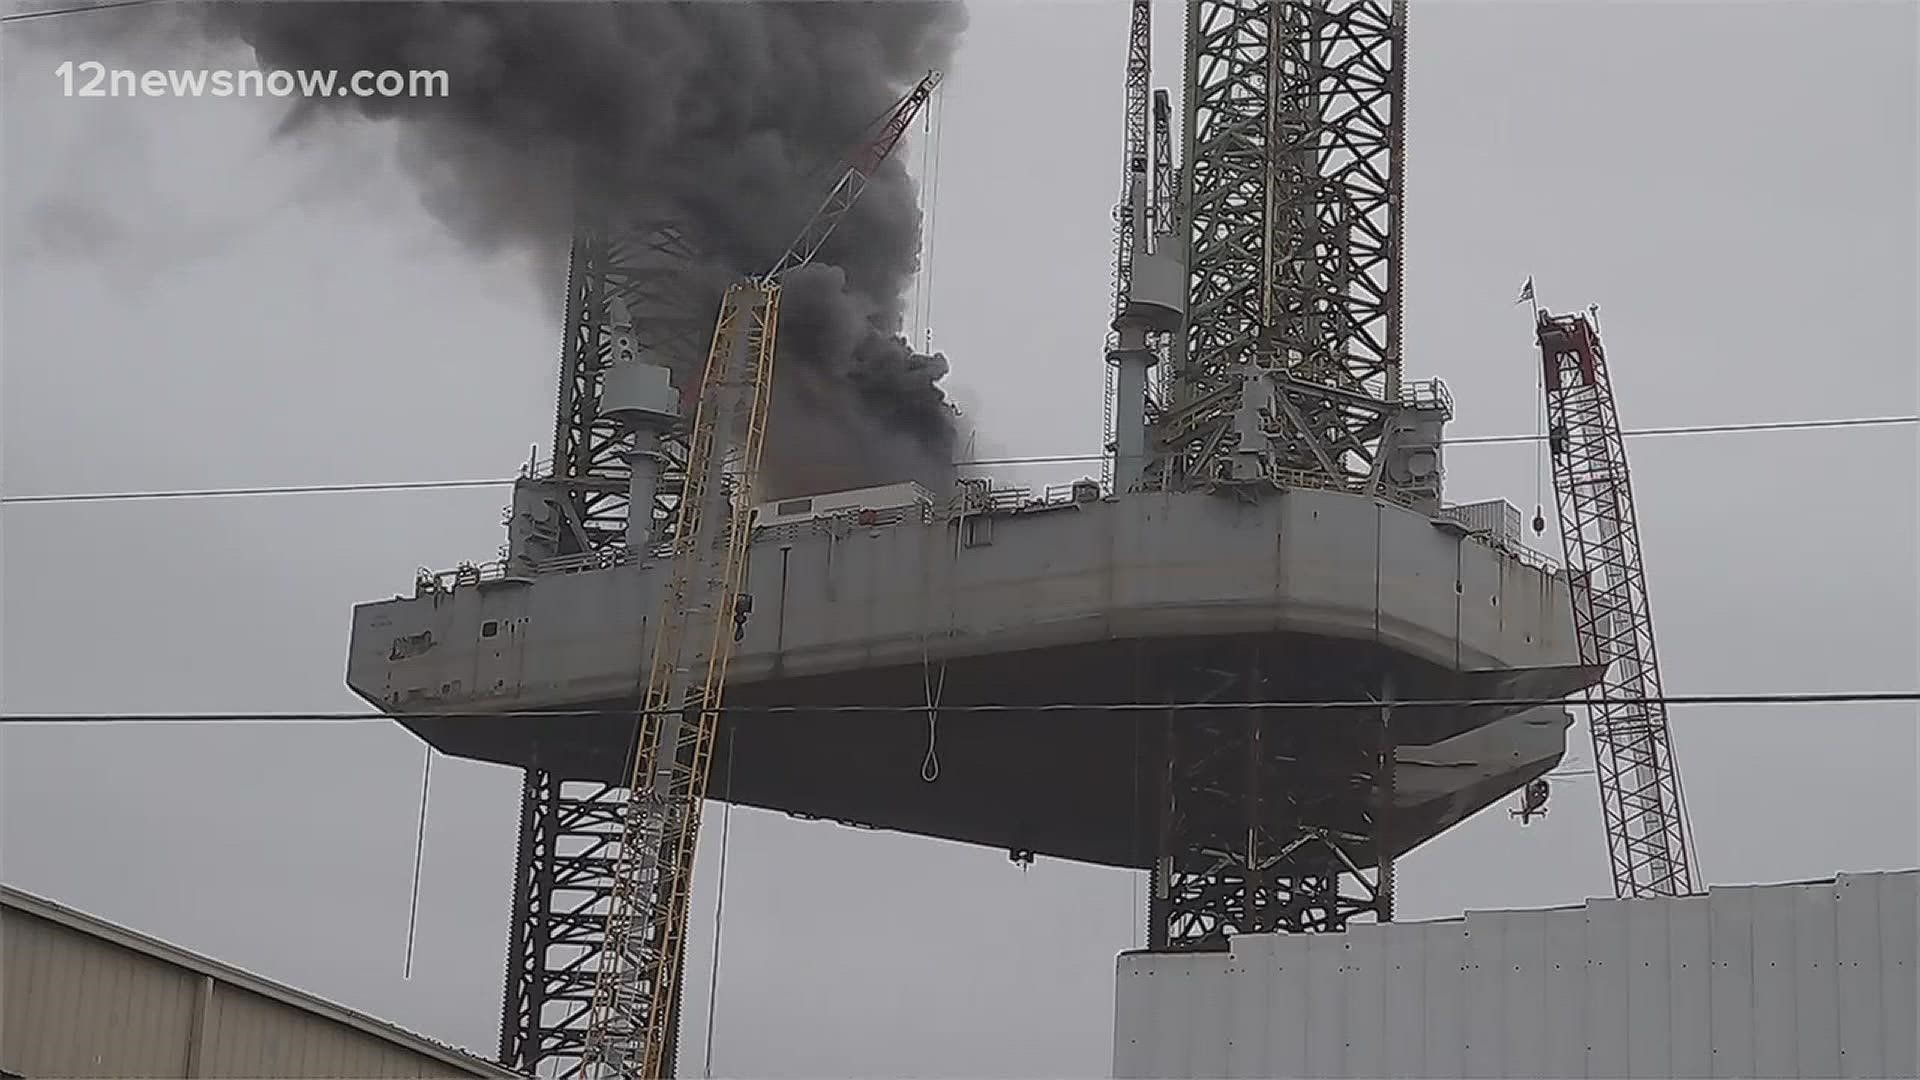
point(93, 926)
point(1813, 980)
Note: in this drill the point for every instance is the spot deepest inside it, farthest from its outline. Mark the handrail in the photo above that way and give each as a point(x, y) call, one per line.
point(975, 498)
point(428, 581)
point(1427, 394)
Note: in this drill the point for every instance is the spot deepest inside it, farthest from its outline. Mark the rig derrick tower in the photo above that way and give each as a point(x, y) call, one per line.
point(1285, 375)
point(1268, 464)
point(1146, 313)
point(630, 293)
point(604, 999)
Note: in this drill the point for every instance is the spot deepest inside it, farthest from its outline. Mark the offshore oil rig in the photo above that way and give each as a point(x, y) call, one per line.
point(1116, 671)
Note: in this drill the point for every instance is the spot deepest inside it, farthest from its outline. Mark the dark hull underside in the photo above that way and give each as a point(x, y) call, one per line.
point(1081, 784)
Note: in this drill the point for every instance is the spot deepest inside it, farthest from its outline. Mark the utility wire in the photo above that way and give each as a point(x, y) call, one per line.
point(279, 489)
point(720, 899)
point(47, 13)
point(1042, 459)
point(1850, 697)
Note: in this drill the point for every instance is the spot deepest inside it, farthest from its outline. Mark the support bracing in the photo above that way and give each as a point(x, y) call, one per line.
point(1271, 821)
point(563, 881)
point(1165, 220)
point(1131, 216)
point(1648, 841)
point(651, 268)
point(570, 832)
point(1288, 372)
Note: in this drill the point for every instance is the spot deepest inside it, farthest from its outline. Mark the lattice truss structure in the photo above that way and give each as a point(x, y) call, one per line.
point(1648, 841)
point(1166, 186)
point(651, 266)
point(1291, 197)
point(1271, 820)
point(1135, 146)
point(563, 881)
point(648, 275)
point(570, 835)
point(634, 1018)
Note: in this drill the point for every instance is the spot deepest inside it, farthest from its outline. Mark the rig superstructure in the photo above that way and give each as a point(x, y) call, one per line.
point(1273, 532)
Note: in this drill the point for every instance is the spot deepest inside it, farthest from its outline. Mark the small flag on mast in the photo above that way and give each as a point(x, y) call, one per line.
point(1526, 291)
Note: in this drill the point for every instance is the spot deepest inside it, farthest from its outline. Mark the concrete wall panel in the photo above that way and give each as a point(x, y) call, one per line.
point(1805, 980)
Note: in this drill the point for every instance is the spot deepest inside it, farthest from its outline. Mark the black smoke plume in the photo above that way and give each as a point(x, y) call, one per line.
point(729, 117)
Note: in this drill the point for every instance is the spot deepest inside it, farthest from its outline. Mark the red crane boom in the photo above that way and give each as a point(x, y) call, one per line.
point(1648, 841)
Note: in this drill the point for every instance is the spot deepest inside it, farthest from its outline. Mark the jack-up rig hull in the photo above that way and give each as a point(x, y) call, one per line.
point(1126, 601)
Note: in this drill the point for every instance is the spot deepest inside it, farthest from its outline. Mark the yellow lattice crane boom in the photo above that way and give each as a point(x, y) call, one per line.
point(635, 1011)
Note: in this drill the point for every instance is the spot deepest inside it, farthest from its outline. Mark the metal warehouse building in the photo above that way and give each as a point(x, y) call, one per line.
point(83, 997)
point(1801, 980)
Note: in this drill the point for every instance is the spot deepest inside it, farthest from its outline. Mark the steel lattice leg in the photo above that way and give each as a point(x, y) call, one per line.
point(1270, 820)
point(563, 881)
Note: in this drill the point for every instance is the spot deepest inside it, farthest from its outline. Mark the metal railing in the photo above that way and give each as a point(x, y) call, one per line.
point(468, 574)
point(974, 498)
point(981, 499)
point(1427, 394)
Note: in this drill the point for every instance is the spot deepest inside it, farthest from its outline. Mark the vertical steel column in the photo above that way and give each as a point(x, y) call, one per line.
point(1270, 820)
point(563, 881)
point(1133, 170)
point(653, 269)
point(524, 996)
point(1385, 777)
point(1291, 203)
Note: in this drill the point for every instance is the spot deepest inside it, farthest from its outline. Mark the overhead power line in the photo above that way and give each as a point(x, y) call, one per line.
point(1851, 697)
point(1044, 459)
point(48, 13)
point(235, 492)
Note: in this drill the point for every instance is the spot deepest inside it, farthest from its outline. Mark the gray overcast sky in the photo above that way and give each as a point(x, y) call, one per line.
point(189, 303)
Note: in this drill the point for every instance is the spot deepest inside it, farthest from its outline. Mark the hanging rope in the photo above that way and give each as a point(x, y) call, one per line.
point(930, 765)
point(419, 851)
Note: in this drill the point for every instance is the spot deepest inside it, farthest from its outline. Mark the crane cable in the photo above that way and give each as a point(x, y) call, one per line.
point(1540, 450)
point(930, 765)
point(419, 852)
point(720, 894)
point(931, 130)
point(930, 187)
point(44, 13)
